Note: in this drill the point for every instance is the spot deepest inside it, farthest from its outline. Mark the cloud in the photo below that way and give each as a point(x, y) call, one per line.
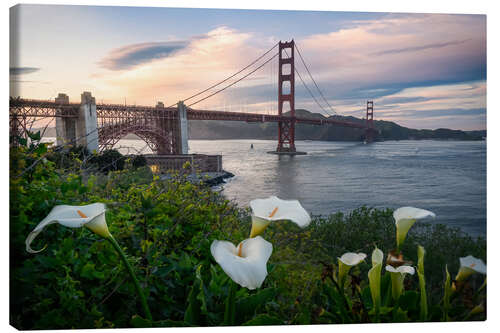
point(203, 61)
point(421, 47)
point(132, 55)
point(399, 61)
point(413, 50)
point(29, 81)
point(402, 99)
point(22, 70)
point(433, 113)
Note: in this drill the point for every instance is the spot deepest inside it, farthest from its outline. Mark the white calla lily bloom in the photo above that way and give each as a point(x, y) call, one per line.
point(90, 216)
point(274, 209)
point(346, 261)
point(245, 264)
point(468, 266)
point(405, 217)
point(397, 277)
point(352, 259)
point(401, 269)
point(377, 257)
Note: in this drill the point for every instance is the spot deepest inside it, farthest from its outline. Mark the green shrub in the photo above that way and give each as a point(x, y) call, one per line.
point(110, 160)
point(166, 227)
point(139, 161)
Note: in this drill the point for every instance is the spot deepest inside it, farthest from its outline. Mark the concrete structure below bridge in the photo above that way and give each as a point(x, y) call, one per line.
point(196, 163)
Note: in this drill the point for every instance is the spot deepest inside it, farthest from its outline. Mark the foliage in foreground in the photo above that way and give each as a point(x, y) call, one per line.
point(166, 228)
point(306, 263)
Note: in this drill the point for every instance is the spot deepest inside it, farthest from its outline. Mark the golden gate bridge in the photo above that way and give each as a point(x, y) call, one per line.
point(164, 129)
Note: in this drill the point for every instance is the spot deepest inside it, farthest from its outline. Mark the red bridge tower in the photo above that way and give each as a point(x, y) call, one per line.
point(286, 93)
point(369, 131)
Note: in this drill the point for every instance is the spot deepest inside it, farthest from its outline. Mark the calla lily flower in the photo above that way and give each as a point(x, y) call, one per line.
point(405, 217)
point(245, 264)
point(90, 216)
point(397, 277)
point(468, 266)
point(401, 269)
point(273, 209)
point(374, 279)
point(352, 259)
point(377, 257)
point(346, 261)
point(93, 217)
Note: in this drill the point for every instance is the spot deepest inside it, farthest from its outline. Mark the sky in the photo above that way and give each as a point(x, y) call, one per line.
point(421, 70)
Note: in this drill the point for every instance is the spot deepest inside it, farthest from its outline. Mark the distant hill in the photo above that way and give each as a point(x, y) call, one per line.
point(387, 130)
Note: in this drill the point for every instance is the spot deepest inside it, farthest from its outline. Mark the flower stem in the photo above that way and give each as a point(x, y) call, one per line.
point(342, 296)
point(118, 249)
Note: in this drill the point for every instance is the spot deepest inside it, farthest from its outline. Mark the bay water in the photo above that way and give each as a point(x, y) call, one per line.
point(446, 177)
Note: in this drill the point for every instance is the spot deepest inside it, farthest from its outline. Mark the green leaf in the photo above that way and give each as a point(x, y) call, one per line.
point(327, 317)
point(138, 321)
point(304, 317)
point(249, 305)
point(385, 310)
point(400, 316)
point(88, 271)
point(34, 136)
point(435, 313)
point(23, 141)
point(385, 288)
point(230, 310)
point(421, 281)
point(171, 323)
point(366, 298)
point(263, 319)
point(41, 149)
point(447, 295)
point(408, 301)
point(201, 295)
point(193, 314)
point(339, 304)
point(374, 286)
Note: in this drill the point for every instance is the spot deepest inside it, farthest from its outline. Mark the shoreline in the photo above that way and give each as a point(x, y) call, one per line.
point(210, 179)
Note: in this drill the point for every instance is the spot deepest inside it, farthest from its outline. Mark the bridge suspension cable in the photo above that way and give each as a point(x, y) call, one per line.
point(307, 69)
point(309, 90)
point(230, 77)
point(233, 83)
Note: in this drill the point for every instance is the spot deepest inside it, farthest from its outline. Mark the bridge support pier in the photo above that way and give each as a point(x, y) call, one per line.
point(81, 131)
point(65, 127)
point(86, 124)
point(182, 133)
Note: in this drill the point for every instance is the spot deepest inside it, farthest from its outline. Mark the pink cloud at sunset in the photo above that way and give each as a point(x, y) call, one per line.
point(413, 65)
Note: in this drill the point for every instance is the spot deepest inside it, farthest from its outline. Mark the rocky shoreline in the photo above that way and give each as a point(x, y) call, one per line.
point(208, 178)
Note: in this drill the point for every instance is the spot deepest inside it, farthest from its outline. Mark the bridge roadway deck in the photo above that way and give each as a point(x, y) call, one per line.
point(40, 108)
